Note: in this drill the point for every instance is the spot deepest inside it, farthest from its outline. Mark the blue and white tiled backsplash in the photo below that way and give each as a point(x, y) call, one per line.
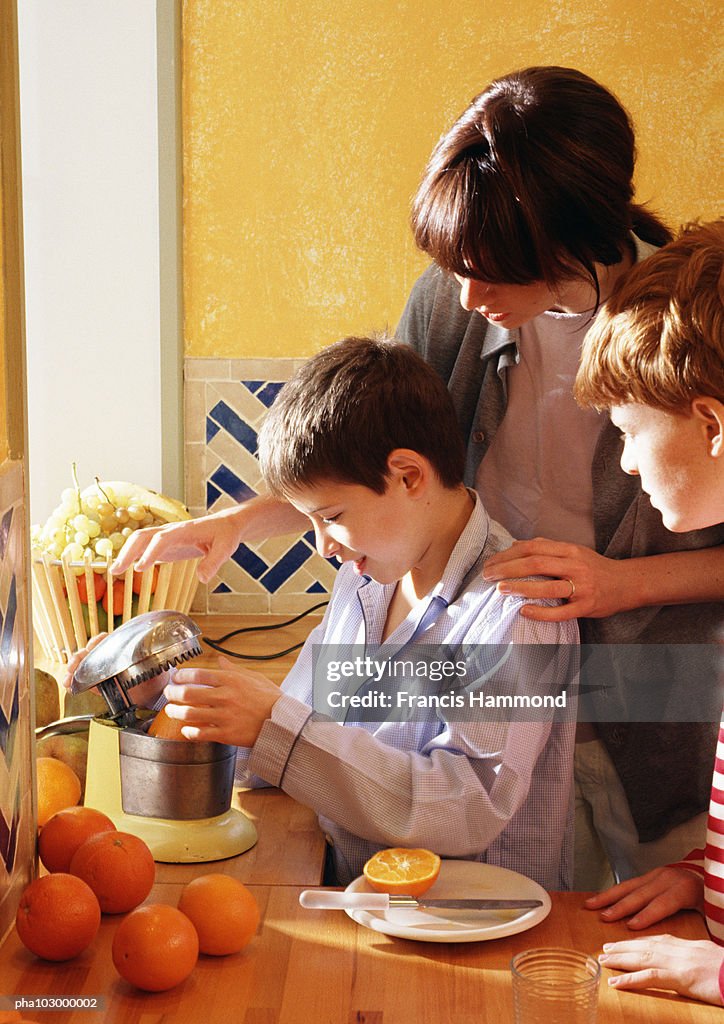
point(225, 402)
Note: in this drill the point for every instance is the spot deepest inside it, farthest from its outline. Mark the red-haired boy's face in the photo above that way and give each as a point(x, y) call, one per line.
point(678, 459)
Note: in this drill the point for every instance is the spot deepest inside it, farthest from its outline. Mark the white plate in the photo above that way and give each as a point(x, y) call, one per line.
point(460, 879)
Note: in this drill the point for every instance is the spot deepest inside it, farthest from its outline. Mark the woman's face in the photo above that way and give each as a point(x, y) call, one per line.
point(512, 305)
point(509, 305)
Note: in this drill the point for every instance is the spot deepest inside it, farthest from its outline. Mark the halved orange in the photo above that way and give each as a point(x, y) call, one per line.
point(163, 727)
point(398, 870)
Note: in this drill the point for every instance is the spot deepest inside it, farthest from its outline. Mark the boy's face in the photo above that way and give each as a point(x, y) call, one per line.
point(669, 452)
point(378, 533)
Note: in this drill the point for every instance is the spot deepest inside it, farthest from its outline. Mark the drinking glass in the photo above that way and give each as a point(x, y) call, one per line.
point(555, 986)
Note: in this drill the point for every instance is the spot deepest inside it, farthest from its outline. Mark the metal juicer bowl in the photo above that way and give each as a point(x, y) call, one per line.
point(180, 780)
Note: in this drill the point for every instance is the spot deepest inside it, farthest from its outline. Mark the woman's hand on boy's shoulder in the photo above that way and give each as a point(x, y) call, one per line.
point(589, 585)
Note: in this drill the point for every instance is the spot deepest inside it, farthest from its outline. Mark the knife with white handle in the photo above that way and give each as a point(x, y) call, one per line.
point(323, 899)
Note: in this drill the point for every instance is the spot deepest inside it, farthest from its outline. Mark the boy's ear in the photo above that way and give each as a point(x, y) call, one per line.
point(710, 413)
point(410, 467)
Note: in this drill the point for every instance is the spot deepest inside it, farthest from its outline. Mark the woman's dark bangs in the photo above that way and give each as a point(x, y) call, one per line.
point(437, 221)
point(457, 221)
point(496, 256)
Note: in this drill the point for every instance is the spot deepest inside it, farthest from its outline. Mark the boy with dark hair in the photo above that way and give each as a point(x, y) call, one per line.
point(364, 442)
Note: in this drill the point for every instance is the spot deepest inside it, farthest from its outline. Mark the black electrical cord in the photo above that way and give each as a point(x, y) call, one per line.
point(217, 644)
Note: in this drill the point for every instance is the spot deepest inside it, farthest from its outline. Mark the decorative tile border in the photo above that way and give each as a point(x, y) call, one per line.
point(225, 403)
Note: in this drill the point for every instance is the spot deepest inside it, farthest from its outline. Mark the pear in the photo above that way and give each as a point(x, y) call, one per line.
point(47, 698)
point(88, 703)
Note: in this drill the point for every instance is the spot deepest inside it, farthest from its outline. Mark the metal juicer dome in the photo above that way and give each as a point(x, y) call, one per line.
point(139, 649)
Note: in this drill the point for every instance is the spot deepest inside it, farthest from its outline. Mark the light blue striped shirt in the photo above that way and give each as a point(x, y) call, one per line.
point(464, 785)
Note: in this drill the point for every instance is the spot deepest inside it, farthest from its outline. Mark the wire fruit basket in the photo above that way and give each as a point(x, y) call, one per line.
point(74, 601)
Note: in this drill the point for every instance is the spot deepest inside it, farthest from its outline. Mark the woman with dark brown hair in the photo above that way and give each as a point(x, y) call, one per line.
point(527, 209)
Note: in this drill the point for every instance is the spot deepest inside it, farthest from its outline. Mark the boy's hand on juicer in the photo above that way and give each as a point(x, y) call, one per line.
point(78, 657)
point(144, 694)
point(226, 704)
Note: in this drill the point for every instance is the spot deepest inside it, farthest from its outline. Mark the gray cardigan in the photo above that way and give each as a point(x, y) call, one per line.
point(665, 767)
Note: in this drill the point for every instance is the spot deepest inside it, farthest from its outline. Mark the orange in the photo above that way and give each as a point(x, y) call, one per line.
point(119, 594)
point(118, 867)
point(223, 912)
point(66, 831)
point(166, 728)
point(58, 916)
point(58, 787)
point(402, 871)
point(155, 947)
point(138, 581)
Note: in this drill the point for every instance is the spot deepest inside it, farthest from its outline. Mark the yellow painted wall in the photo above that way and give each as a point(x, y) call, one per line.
point(307, 124)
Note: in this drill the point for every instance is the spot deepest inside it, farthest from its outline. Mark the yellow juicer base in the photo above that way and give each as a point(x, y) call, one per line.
point(172, 842)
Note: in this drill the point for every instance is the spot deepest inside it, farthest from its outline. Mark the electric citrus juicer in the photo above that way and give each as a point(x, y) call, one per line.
point(173, 794)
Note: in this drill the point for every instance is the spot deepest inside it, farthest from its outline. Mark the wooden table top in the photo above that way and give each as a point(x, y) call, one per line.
point(305, 967)
point(257, 645)
point(320, 967)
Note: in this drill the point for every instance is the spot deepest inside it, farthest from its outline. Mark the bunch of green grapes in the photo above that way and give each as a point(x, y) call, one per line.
point(95, 522)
